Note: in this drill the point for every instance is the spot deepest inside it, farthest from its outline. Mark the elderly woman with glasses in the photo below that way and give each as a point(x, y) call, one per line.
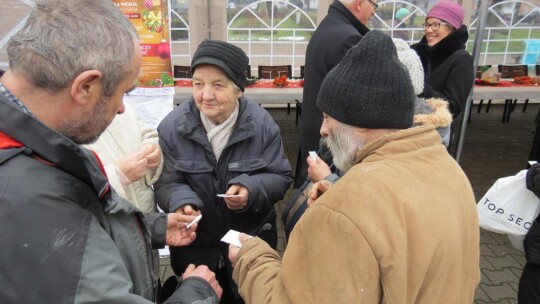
point(448, 67)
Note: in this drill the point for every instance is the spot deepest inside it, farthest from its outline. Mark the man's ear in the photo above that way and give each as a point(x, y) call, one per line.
point(86, 87)
point(358, 5)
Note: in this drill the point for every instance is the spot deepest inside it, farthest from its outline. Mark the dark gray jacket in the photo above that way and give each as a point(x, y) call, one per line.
point(66, 236)
point(254, 157)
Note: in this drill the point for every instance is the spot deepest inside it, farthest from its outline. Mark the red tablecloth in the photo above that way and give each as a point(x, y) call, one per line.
point(504, 83)
point(258, 84)
point(269, 84)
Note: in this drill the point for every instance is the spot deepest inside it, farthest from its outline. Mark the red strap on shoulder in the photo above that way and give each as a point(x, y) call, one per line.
point(102, 168)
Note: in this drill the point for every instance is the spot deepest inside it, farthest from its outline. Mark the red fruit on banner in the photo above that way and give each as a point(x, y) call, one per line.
point(163, 50)
point(159, 28)
point(148, 4)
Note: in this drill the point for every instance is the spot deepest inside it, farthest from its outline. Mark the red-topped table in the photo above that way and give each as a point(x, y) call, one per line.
point(262, 92)
point(506, 90)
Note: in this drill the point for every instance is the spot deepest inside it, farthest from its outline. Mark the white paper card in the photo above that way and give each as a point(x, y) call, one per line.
point(232, 237)
point(231, 195)
point(196, 220)
point(164, 252)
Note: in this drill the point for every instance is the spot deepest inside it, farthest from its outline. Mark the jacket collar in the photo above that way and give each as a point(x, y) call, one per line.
point(339, 8)
point(400, 142)
point(446, 47)
point(50, 146)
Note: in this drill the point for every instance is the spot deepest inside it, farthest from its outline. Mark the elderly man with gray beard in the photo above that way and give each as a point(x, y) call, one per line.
point(399, 227)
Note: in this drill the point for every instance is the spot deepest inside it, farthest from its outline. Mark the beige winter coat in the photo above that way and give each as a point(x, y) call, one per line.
point(125, 135)
point(400, 227)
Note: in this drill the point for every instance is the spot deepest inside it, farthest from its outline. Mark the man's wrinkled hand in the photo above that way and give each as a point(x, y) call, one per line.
point(317, 190)
point(233, 250)
point(177, 233)
point(206, 274)
point(317, 169)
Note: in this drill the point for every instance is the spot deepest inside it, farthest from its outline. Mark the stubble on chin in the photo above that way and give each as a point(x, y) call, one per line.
point(87, 128)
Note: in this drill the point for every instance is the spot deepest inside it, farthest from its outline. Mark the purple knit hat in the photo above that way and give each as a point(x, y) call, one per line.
point(448, 11)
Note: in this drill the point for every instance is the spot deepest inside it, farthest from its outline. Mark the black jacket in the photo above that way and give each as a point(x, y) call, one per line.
point(337, 33)
point(449, 71)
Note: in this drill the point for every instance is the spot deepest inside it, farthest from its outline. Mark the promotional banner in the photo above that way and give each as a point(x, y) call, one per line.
point(153, 98)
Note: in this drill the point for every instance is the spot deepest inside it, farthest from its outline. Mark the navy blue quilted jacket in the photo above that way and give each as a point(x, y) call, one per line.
point(254, 157)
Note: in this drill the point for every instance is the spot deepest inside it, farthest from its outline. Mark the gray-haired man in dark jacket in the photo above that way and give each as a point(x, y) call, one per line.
point(67, 237)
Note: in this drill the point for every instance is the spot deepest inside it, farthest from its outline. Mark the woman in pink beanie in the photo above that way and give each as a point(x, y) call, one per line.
point(448, 67)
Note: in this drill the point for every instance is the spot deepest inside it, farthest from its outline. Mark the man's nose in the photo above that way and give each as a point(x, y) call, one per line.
point(121, 108)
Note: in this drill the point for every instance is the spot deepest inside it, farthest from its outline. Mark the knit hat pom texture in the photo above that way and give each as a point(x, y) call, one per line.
point(412, 63)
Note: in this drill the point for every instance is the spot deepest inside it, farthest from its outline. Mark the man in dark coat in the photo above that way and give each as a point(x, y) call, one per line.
point(340, 30)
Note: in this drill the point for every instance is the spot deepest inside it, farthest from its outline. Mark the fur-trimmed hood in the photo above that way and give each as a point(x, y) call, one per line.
point(433, 112)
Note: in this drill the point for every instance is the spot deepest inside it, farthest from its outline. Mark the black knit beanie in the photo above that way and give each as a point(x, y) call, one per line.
point(370, 87)
point(230, 58)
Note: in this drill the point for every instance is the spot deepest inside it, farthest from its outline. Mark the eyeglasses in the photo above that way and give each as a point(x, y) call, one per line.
point(434, 26)
point(375, 5)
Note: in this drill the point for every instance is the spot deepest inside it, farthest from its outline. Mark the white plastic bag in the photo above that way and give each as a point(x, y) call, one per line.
point(508, 206)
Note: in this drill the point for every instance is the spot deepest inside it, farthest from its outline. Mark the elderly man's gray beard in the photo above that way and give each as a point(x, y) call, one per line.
point(343, 144)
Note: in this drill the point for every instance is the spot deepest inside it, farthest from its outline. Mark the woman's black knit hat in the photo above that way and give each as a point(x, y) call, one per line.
point(370, 87)
point(230, 58)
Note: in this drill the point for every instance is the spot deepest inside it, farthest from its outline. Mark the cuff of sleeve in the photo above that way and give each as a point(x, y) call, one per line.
point(124, 180)
point(332, 178)
point(159, 230)
point(194, 290)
